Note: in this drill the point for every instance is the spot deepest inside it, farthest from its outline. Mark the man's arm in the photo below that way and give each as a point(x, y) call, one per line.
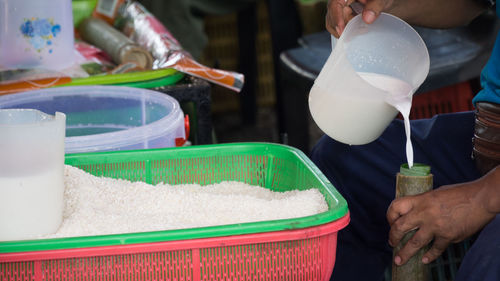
point(438, 14)
point(427, 13)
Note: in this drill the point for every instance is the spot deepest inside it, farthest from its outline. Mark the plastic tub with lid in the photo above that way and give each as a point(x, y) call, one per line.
point(107, 118)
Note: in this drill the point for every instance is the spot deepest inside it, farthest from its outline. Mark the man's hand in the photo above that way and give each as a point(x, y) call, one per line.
point(339, 12)
point(427, 13)
point(445, 215)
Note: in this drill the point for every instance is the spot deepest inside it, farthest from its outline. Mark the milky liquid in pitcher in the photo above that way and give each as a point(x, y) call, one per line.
point(400, 98)
point(31, 204)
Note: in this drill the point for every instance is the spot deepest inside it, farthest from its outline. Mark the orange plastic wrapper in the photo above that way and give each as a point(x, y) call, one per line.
point(107, 10)
point(144, 29)
point(26, 85)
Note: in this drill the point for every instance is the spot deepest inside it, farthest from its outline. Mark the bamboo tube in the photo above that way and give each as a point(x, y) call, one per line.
point(412, 181)
point(113, 42)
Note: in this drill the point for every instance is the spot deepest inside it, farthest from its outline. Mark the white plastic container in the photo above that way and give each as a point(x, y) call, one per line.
point(36, 34)
point(107, 118)
point(353, 96)
point(31, 173)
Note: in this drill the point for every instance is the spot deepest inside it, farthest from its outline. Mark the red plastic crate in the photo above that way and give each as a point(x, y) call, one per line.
point(302, 254)
point(455, 98)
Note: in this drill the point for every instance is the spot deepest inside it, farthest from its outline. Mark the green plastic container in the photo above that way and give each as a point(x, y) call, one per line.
point(141, 79)
point(273, 166)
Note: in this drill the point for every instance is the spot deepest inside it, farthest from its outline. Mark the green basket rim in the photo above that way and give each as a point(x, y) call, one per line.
point(334, 212)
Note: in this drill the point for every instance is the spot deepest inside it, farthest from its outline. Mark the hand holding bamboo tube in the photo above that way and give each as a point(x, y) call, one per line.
point(409, 182)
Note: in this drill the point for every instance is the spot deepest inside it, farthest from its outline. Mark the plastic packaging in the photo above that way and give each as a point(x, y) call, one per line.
point(36, 34)
point(144, 29)
point(31, 173)
point(107, 10)
point(105, 118)
point(353, 99)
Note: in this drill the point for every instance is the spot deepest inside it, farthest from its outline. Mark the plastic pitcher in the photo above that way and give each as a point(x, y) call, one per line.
point(36, 34)
point(352, 96)
point(31, 173)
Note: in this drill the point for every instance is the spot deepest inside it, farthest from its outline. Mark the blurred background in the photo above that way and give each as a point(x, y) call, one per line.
point(248, 37)
point(280, 47)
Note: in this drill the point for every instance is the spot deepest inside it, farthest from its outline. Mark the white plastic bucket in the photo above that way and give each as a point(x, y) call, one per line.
point(107, 118)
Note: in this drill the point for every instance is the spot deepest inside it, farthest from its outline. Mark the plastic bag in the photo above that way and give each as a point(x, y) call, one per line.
point(144, 29)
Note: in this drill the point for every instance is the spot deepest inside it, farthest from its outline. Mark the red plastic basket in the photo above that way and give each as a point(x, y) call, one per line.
point(301, 254)
point(455, 98)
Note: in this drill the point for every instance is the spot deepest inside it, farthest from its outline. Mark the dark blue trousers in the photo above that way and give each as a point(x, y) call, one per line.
point(366, 176)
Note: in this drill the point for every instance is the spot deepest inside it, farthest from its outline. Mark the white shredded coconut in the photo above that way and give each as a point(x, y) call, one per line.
point(97, 205)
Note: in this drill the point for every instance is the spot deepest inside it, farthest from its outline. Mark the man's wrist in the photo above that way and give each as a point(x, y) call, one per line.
point(491, 190)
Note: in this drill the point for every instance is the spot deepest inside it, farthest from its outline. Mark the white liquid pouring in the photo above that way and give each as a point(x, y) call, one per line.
point(359, 118)
point(400, 98)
